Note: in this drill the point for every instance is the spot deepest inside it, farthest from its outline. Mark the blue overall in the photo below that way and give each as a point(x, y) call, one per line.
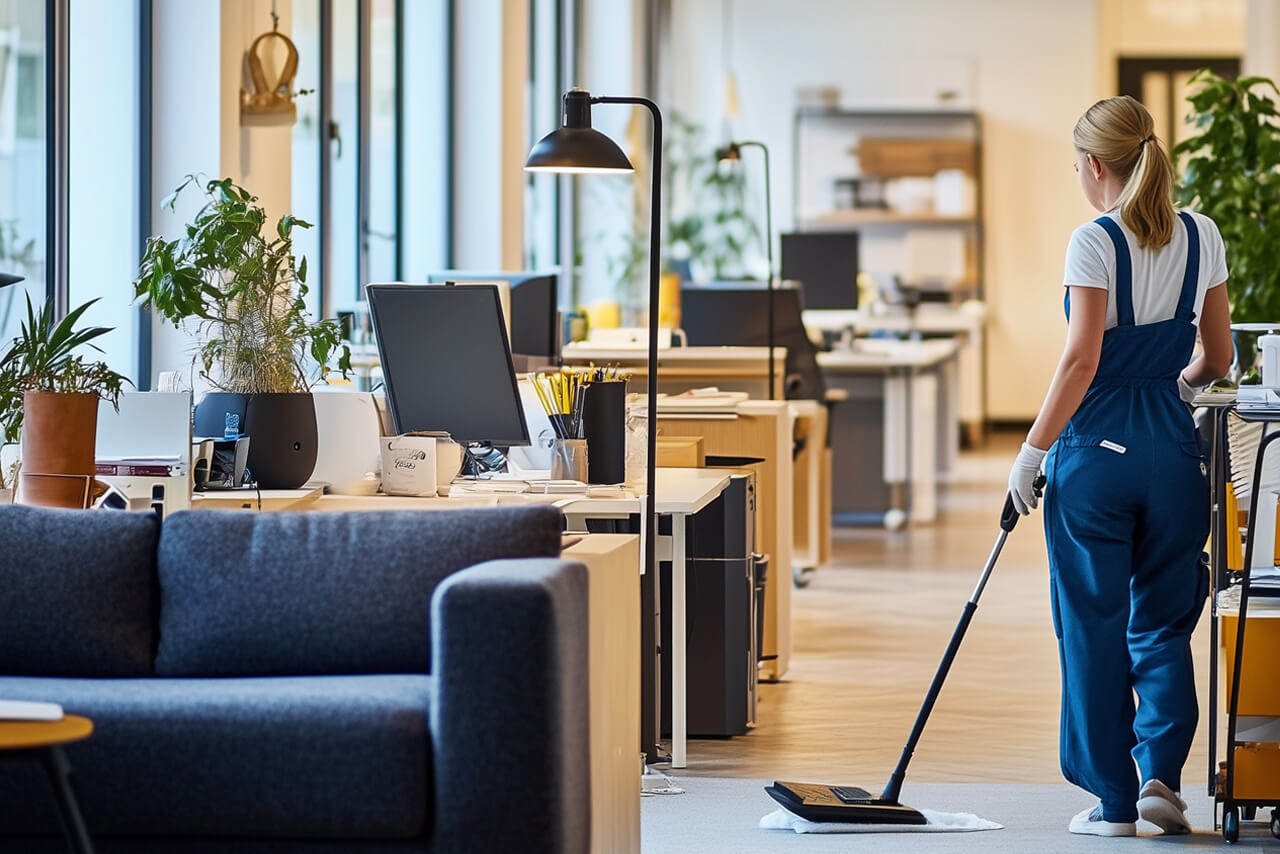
point(1126, 515)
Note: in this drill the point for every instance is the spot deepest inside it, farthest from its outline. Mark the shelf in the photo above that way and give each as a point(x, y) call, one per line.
point(871, 216)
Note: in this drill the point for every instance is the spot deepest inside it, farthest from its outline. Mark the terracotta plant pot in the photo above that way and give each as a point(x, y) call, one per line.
point(59, 432)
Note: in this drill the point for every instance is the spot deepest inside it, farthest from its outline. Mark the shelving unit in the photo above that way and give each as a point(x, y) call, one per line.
point(909, 182)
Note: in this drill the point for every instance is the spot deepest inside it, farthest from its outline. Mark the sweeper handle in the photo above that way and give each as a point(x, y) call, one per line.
point(1008, 518)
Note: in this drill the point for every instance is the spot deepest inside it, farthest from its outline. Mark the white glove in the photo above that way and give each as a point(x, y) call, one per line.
point(1186, 392)
point(1022, 478)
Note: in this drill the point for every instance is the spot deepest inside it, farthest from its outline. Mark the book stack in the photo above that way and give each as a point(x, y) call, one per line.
point(141, 467)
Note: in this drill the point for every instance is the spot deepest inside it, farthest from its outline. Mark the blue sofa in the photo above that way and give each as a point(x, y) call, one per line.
point(394, 681)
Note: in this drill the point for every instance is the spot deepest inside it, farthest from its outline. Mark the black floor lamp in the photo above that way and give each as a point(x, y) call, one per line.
point(576, 148)
point(733, 152)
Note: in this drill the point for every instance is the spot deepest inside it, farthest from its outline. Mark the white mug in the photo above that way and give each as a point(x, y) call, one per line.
point(448, 461)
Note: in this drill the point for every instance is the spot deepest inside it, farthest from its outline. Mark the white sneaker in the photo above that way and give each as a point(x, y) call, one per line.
point(1091, 823)
point(1162, 806)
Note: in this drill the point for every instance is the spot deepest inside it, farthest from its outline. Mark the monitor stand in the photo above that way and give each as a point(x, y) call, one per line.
point(482, 460)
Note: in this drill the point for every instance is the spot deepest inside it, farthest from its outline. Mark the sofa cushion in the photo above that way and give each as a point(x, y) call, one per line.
point(299, 757)
point(77, 592)
point(254, 594)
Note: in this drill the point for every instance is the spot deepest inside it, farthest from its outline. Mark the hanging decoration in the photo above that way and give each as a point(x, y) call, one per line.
point(268, 103)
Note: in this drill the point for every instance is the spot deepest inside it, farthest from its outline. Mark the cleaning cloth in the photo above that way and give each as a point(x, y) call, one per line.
point(938, 822)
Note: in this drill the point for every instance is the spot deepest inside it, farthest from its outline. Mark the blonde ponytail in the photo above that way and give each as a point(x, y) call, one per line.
point(1120, 133)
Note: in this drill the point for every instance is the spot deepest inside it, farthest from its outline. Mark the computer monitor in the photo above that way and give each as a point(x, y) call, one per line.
point(736, 314)
point(826, 263)
point(535, 327)
point(446, 363)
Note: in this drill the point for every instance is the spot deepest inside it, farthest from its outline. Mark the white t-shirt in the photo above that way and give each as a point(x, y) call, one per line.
point(1157, 273)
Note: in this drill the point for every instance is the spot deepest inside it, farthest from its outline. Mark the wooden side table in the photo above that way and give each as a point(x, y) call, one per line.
point(42, 741)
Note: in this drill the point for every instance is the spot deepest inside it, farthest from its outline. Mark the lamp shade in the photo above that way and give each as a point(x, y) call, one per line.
point(575, 147)
point(578, 151)
point(730, 152)
point(9, 279)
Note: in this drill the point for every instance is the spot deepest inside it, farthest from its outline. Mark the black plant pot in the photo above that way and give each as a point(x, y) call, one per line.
point(281, 430)
point(282, 439)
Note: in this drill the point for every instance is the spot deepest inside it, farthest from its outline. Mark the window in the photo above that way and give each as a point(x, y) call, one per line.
point(371, 146)
point(23, 158)
point(541, 198)
point(104, 171)
point(307, 200)
point(426, 133)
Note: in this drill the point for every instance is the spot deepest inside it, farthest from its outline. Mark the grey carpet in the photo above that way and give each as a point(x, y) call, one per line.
point(720, 815)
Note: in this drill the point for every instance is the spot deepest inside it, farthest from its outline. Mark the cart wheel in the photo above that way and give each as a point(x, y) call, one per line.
point(801, 576)
point(1250, 813)
point(1275, 823)
point(1231, 825)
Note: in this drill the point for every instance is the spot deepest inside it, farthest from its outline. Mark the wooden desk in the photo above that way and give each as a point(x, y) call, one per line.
point(42, 741)
point(811, 495)
point(762, 429)
point(743, 369)
point(257, 499)
point(613, 669)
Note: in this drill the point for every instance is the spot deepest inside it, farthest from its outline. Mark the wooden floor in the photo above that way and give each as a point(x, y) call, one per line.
point(869, 632)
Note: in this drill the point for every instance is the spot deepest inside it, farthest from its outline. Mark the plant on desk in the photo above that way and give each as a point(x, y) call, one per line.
point(246, 293)
point(49, 400)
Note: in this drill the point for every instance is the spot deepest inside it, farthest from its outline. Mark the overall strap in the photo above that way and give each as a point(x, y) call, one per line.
point(1191, 277)
point(1124, 271)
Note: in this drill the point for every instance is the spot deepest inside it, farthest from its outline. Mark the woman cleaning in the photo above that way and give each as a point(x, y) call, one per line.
point(1127, 500)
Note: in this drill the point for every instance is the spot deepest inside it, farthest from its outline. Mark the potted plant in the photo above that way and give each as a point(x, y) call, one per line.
point(245, 290)
point(1230, 171)
point(49, 400)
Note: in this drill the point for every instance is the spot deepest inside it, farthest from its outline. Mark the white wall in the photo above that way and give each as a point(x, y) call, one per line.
point(1027, 68)
point(198, 71)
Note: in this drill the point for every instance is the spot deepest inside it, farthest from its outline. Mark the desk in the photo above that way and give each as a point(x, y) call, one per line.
point(811, 495)
point(967, 323)
point(257, 499)
point(681, 494)
point(914, 383)
point(761, 429)
point(682, 368)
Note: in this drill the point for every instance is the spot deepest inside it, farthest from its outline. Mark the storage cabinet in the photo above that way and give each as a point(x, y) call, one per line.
point(908, 181)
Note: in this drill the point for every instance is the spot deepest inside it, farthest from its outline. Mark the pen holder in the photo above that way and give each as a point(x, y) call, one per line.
point(604, 425)
point(569, 459)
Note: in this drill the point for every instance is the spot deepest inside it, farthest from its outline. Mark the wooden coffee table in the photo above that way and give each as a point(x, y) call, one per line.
point(42, 741)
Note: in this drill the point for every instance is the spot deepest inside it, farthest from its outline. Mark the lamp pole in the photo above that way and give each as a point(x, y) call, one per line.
point(576, 148)
point(651, 627)
point(733, 151)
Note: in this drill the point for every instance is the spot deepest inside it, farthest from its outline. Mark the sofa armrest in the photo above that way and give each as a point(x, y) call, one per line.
point(509, 718)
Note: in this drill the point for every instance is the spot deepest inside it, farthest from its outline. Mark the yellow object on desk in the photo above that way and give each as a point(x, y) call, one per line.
point(604, 315)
